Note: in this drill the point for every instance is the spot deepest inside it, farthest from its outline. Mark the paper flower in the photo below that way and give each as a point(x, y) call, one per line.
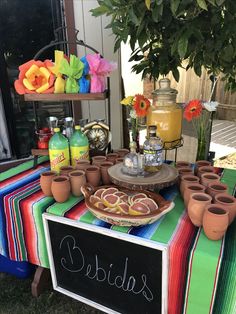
point(84, 81)
point(35, 77)
point(99, 69)
point(73, 71)
point(59, 82)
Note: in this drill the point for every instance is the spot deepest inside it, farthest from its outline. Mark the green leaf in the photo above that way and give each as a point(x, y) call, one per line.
point(148, 4)
point(182, 46)
point(133, 17)
point(228, 53)
point(219, 2)
point(175, 73)
point(197, 69)
point(142, 39)
point(99, 10)
point(174, 4)
point(213, 2)
point(202, 4)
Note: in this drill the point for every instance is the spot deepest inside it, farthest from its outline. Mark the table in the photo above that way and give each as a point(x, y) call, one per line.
point(202, 273)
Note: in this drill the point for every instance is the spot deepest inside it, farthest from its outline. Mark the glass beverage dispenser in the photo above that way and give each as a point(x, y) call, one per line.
point(166, 114)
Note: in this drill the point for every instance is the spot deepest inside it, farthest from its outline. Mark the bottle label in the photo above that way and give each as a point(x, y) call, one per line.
point(152, 157)
point(78, 153)
point(58, 158)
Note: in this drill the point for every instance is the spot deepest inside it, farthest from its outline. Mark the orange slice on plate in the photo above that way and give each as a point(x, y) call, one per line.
point(94, 199)
point(108, 191)
point(138, 208)
point(136, 197)
point(123, 208)
point(151, 204)
point(111, 200)
point(98, 193)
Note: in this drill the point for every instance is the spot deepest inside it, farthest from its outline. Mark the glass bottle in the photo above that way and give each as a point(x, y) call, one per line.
point(131, 161)
point(166, 114)
point(152, 150)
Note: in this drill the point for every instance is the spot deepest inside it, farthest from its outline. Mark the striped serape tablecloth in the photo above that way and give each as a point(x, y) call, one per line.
point(11, 180)
point(202, 273)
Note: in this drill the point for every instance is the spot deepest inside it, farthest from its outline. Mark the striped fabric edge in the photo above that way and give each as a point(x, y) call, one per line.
point(225, 177)
point(23, 167)
point(14, 226)
point(180, 245)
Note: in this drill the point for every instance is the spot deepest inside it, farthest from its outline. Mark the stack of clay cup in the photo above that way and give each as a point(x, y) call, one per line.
point(206, 199)
point(70, 179)
point(60, 186)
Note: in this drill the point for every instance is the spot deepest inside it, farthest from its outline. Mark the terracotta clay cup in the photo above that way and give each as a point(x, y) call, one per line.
point(119, 160)
point(228, 202)
point(82, 164)
point(215, 221)
point(190, 189)
point(187, 179)
point(97, 160)
point(205, 169)
point(196, 207)
point(182, 164)
point(122, 152)
point(207, 178)
point(215, 188)
point(46, 182)
point(61, 188)
point(201, 163)
point(93, 175)
point(185, 170)
point(104, 172)
point(65, 170)
point(112, 157)
point(77, 179)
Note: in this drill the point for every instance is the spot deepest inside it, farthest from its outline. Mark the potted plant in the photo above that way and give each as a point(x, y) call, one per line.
point(201, 32)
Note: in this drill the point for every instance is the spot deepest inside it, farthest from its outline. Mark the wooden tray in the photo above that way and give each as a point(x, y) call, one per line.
point(127, 220)
point(165, 177)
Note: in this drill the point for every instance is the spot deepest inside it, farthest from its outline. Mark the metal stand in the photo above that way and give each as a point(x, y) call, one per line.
point(173, 145)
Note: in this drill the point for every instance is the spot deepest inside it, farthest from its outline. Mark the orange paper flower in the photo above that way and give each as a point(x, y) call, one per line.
point(35, 77)
point(141, 105)
point(193, 109)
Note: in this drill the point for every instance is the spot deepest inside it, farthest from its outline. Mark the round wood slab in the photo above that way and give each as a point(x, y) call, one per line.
point(165, 177)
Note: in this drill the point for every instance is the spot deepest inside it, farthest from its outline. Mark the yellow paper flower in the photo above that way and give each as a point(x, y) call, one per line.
point(127, 101)
point(60, 82)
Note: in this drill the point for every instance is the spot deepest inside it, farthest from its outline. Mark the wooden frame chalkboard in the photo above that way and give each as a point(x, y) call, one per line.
point(106, 269)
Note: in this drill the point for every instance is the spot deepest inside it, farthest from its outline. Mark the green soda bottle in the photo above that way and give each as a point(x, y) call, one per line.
point(79, 146)
point(59, 153)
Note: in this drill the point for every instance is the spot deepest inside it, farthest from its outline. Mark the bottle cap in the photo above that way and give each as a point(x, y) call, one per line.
point(133, 145)
point(77, 127)
point(56, 130)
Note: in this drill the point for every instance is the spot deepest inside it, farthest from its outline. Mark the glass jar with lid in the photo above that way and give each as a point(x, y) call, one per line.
point(166, 114)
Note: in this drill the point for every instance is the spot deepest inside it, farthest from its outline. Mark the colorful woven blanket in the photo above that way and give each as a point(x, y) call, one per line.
point(202, 273)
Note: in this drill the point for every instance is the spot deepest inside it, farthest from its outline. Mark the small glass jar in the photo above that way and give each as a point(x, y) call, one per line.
point(166, 114)
point(131, 161)
point(152, 150)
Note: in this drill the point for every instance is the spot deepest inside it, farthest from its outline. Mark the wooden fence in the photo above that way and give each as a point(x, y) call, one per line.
point(190, 86)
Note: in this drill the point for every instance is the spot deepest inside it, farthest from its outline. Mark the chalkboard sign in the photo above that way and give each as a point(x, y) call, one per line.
point(114, 272)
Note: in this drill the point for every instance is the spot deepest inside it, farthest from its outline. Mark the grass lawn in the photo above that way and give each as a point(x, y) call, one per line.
point(16, 298)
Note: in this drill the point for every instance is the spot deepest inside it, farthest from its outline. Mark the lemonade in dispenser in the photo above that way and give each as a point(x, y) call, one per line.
point(166, 114)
